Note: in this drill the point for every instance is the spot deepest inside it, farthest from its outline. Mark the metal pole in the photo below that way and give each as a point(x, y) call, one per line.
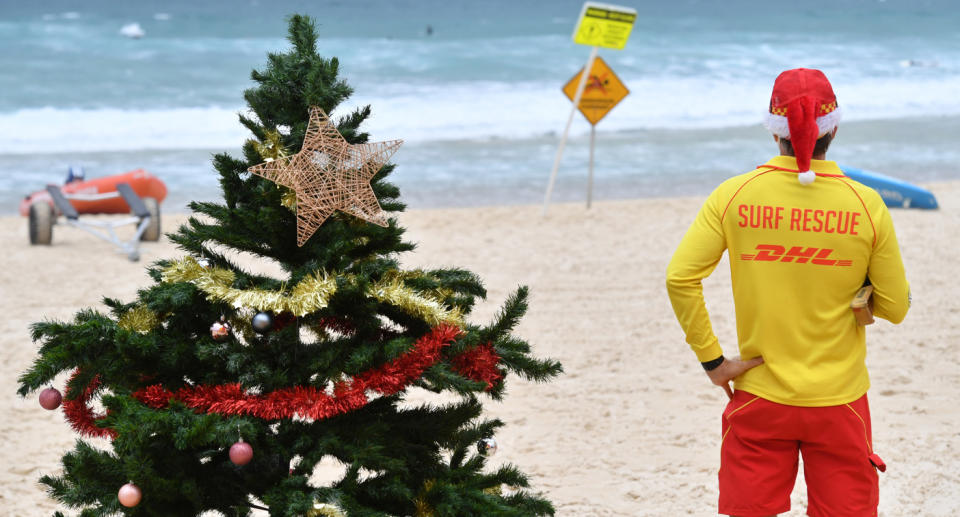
point(593, 139)
point(566, 132)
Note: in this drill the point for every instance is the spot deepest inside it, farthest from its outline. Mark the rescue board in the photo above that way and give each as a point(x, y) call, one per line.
point(895, 193)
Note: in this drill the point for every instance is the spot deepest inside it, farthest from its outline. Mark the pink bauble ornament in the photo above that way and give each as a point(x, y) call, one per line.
point(50, 398)
point(241, 453)
point(220, 330)
point(129, 495)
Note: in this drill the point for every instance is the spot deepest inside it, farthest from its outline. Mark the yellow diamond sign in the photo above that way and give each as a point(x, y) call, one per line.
point(604, 25)
point(603, 91)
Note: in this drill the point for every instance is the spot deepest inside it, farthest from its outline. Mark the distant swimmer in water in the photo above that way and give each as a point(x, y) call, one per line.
point(909, 63)
point(429, 30)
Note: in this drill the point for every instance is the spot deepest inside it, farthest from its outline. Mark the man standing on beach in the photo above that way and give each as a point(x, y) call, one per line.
point(802, 240)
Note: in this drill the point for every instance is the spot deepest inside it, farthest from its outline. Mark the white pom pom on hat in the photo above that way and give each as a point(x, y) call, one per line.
point(803, 108)
point(806, 177)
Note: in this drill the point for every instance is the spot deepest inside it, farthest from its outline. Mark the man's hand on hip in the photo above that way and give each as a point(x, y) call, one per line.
point(730, 369)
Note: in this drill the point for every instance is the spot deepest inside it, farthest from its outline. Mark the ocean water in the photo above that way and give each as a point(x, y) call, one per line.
point(478, 100)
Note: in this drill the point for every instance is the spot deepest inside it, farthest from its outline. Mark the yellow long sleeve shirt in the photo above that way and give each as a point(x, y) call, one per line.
point(798, 254)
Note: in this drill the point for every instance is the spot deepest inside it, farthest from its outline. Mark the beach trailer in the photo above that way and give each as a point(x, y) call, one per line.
point(144, 213)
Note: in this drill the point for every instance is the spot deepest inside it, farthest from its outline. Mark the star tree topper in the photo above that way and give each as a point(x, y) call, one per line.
point(329, 174)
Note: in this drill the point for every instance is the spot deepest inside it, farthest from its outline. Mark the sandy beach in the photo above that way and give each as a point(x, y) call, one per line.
point(633, 426)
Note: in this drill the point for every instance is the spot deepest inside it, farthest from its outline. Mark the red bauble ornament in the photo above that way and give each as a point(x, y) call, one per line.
point(50, 398)
point(129, 495)
point(283, 319)
point(241, 453)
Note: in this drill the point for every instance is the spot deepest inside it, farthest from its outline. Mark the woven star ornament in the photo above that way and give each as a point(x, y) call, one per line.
point(330, 174)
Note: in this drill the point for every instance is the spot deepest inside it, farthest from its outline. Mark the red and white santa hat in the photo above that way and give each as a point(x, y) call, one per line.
point(803, 108)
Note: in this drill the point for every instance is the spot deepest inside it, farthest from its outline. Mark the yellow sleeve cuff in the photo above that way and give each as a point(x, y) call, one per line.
point(709, 352)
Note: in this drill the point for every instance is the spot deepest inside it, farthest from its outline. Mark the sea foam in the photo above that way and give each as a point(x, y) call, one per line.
point(471, 111)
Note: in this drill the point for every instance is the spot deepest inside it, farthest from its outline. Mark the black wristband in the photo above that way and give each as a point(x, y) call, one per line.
point(712, 365)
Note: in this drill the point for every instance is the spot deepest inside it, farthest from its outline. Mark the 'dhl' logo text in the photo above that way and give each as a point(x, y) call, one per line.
point(796, 254)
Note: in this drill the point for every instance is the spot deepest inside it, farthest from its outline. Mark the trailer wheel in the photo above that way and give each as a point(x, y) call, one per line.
point(41, 223)
point(152, 233)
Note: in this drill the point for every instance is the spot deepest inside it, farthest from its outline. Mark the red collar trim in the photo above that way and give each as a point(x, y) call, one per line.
point(822, 174)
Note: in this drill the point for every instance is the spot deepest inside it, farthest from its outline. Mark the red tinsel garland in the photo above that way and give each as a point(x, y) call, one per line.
point(315, 403)
point(80, 414)
point(479, 364)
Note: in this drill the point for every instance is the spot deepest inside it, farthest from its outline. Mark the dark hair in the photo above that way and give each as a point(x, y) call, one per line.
point(823, 143)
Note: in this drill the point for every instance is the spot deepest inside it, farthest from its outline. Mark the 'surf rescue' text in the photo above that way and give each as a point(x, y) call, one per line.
point(843, 222)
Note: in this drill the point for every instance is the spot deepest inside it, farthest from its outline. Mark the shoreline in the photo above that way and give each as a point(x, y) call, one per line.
point(633, 418)
point(177, 214)
point(642, 163)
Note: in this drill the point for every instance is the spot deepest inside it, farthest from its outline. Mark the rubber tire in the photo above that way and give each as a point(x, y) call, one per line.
point(152, 232)
point(41, 223)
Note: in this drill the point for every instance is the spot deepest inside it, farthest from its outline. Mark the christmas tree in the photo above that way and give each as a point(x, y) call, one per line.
point(223, 388)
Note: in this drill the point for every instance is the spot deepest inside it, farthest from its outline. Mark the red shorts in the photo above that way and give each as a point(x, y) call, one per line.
point(759, 458)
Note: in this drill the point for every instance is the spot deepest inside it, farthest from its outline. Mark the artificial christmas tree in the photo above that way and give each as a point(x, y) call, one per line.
point(224, 388)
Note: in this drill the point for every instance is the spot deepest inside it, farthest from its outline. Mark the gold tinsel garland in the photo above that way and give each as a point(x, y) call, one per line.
point(494, 490)
point(310, 294)
point(325, 510)
point(271, 148)
point(423, 509)
point(139, 319)
point(424, 307)
point(289, 199)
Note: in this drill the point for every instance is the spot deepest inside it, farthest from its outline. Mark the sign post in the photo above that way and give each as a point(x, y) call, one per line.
point(593, 139)
point(604, 90)
point(566, 131)
point(600, 25)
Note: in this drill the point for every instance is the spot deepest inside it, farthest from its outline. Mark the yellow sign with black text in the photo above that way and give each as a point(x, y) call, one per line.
point(604, 90)
point(604, 25)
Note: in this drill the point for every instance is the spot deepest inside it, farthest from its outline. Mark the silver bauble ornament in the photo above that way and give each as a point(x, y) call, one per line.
point(487, 446)
point(262, 322)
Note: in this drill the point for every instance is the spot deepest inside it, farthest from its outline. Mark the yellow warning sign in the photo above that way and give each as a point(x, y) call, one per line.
point(604, 25)
point(604, 90)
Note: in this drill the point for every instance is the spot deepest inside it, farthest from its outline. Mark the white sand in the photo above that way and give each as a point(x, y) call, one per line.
point(633, 427)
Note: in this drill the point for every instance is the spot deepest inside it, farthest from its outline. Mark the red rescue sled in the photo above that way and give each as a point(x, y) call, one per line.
point(142, 182)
